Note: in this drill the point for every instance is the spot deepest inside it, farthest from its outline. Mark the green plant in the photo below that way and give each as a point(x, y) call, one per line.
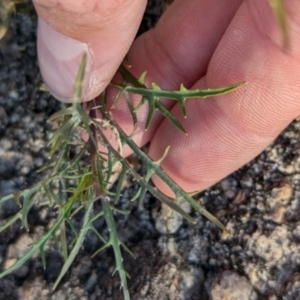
point(280, 15)
point(92, 179)
point(75, 184)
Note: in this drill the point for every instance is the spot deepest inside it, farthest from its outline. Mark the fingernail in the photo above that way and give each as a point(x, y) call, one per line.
point(59, 60)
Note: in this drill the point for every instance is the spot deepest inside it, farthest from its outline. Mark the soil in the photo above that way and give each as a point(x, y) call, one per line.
point(259, 203)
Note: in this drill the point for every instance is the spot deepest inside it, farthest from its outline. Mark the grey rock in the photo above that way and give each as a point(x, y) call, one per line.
point(231, 286)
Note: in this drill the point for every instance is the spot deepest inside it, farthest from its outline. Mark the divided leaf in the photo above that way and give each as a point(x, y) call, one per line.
point(154, 94)
point(74, 183)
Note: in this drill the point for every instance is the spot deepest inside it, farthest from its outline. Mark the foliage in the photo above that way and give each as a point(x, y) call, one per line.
point(93, 178)
point(280, 15)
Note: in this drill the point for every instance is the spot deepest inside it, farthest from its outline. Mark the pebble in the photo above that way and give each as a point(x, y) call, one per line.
point(287, 169)
point(280, 195)
point(190, 279)
point(168, 221)
point(246, 182)
point(20, 247)
point(278, 213)
point(5, 145)
point(231, 286)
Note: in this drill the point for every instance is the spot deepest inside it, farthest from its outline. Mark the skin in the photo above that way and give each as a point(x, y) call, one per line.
point(202, 44)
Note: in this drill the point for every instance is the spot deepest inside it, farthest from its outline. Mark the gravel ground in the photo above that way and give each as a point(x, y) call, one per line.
point(260, 204)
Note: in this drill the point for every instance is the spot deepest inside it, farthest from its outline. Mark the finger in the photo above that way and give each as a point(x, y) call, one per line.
point(67, 29)
point(226, 132)
point(176, 51)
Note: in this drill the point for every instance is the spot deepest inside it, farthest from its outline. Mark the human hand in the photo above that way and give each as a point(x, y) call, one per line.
point(211, 44)
point(103, 29)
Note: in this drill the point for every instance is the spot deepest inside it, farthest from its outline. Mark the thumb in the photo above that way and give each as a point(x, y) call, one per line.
point(67, 29)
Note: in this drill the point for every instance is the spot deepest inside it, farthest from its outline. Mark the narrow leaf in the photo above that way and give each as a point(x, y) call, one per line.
point(101, 249)
point(280, 15)
point(79, 80)
point(35, 247)
point(11, 221)
point(169, 116)
point(151, 109)
point(77, 246)
point(61, 113)
point(121, 179)
point(131, 109)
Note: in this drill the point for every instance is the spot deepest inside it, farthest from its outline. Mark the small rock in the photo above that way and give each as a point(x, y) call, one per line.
point(91, 282)
point(225, 184)
point(20, 247)
point(169, 221)
point(288, 169)
point(231, 286)
point(230, 194)
point(37, 145)
point(5, 144)
point(34, 290)
point(246, 182)
point(278, 213)
point(261, 206)
point(14, 95)
point(144, 290)
point(9, 262)
point(280, 196)
point(296, 232)
point(190, 280)
point(273, 154)
point(240, 197)
point(271, 248)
